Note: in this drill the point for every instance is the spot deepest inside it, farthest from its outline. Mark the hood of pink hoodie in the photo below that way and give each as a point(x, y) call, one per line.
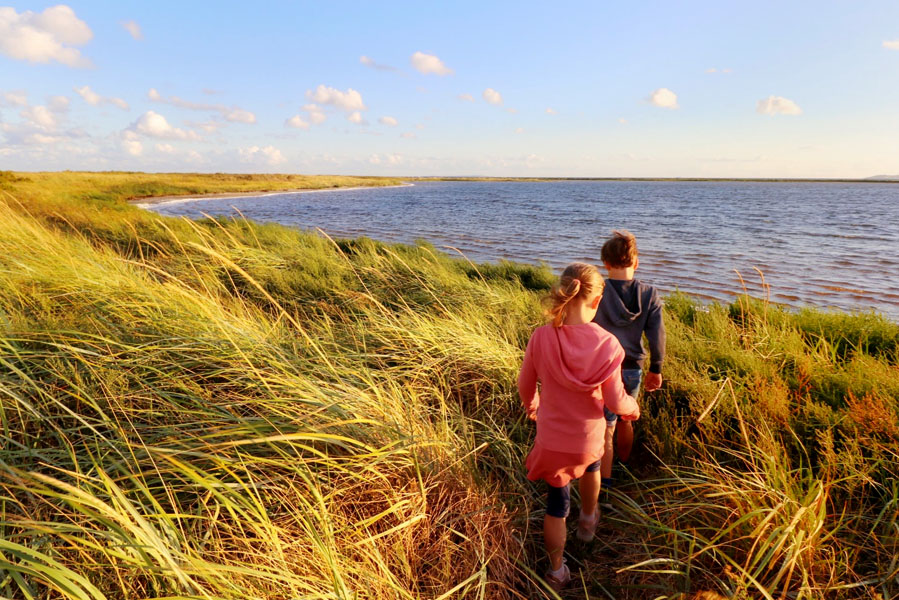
point(580, 357)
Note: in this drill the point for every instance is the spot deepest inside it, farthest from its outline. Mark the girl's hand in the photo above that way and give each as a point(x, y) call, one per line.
point(632, 416)
point(532, 414)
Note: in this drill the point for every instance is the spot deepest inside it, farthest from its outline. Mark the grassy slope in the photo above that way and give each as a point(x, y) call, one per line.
point(233, 410)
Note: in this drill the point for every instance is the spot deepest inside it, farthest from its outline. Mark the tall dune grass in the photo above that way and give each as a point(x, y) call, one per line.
point(220, 409)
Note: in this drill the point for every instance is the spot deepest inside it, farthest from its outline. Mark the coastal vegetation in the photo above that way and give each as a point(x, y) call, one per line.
point(225, 409)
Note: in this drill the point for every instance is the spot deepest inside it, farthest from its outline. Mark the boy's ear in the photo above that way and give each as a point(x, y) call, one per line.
point(636, 262)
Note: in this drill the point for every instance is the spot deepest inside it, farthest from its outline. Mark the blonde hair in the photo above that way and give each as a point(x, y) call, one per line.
point(620, 251)
point(578, 280)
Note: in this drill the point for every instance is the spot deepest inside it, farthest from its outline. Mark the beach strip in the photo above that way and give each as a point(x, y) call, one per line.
point(160, 200)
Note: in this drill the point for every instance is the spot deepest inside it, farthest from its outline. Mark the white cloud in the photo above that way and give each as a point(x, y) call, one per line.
point(622, 120)
point(389, 121)
point(512, 111)
point(492, 96)
point(551, 111)
point(663, 98)
point(428, 63)
point(208, 126)
point(777, 105)
point(368, 62)
point(419, 125)
point(519, 130)
point(95, 99)
point(725, 71)
point(316, 115)
point(89, 96)
point(152, 124)
point(233, 114)
point(58, 103)
point(408, 135)
point(41, 139)
point(239, 115)
point(891, 44)
point(40, 116)
point(466, 97)
point(297, 122)
point(15, 98)
point(349, 101)
point(357, 118)
point(269, 155)
point(133, 147)
point(134, 29)
point(165, 148)
point(389, 159)
point(44, 37)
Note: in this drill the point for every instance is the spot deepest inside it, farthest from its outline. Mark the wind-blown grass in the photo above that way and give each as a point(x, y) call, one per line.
point(220, 409)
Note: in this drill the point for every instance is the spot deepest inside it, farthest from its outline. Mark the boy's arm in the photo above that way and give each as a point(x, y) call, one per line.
point(527, 382)
point(655, 335)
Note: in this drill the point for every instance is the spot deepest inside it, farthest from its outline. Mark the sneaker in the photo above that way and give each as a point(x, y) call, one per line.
point(586, 526)
point(557, 580)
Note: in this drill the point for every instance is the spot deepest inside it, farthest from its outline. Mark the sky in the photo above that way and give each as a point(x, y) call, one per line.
point(573, 89)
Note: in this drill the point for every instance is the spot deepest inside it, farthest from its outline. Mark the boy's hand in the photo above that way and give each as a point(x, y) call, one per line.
point(653, 381)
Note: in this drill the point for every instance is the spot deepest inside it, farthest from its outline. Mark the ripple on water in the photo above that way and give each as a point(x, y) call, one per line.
point(825, 244)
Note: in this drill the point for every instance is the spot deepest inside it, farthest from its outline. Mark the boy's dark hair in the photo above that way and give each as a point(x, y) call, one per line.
point(620, 251)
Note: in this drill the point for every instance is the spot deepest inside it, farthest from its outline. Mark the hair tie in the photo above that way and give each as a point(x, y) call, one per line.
point(574, 287)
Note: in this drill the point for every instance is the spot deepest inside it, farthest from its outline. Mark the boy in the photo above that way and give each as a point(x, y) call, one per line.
point(628, 309)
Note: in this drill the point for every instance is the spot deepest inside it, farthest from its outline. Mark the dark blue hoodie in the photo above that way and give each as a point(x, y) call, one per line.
point(630, 308)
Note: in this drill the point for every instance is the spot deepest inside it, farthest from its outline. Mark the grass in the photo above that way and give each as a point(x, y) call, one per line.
point(222, 409)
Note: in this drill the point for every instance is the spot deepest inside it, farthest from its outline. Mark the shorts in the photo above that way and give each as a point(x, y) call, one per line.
point(631, 379)
point(558, 499)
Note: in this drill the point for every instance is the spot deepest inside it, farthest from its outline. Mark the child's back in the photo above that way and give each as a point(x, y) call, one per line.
point(629, 309)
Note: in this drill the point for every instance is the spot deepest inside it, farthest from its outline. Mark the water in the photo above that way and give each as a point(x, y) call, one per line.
point(818, 244)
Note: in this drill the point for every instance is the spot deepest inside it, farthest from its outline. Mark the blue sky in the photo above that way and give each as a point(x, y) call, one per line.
point(713, 89)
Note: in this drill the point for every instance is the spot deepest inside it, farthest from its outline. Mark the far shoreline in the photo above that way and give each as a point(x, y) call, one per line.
point(177, 199)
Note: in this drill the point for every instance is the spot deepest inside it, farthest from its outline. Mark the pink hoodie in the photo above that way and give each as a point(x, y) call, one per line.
point(579, 368)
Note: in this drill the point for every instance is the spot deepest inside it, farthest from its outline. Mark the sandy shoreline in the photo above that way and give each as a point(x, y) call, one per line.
point(148, 202)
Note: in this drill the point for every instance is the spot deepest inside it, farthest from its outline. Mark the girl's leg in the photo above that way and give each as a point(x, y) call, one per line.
point(588, 488)
point(558, 503)
point(554, 538)
point(589, 491)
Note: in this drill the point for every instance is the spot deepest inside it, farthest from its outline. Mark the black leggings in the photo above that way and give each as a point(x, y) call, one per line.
point(558, 499)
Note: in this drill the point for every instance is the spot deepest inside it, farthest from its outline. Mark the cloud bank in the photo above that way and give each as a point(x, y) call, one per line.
point(44, 37)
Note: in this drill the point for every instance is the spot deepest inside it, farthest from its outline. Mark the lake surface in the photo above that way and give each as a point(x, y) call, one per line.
point(818, 244)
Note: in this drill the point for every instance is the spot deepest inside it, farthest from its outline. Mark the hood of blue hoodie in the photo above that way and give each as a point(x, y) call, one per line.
point(614, 309)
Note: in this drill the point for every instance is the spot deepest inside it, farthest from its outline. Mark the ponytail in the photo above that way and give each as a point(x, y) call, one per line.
point(577, 280)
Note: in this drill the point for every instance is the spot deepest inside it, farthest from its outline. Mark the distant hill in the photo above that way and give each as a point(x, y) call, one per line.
point(883, 178)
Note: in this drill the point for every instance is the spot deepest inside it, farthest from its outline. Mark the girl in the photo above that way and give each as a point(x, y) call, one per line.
point(578, 365)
